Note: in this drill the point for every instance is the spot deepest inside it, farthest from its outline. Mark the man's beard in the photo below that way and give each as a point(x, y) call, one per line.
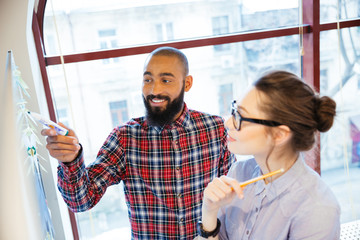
point(159, 118)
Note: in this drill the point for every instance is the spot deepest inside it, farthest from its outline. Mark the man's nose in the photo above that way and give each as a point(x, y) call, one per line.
point(157, 88)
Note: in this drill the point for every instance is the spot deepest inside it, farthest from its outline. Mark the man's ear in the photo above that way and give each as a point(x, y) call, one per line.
point(282, 134)
point(188, 82)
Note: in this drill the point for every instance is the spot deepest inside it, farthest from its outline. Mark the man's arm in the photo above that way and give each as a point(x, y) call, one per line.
point(82, 187)
point(74, 185)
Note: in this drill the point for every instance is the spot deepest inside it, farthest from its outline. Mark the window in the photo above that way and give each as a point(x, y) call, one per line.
point(119, 112)
point(228, 43)
point(63, 116)
point(164, 31)
point(331, 10)
point(51, 45)
point(220, 26)
point(339, 145)
point(323, 80)
point(107, 39)
point(225, 98)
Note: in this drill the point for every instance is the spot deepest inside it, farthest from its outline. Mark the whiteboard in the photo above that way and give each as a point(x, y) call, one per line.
point(21, 212)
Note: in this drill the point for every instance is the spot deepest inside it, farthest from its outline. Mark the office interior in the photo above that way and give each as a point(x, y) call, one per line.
point(75, 57)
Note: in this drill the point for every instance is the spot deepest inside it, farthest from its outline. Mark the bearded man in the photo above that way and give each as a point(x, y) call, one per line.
point(165, 159)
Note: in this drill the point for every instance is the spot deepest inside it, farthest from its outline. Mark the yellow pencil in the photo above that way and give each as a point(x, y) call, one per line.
point(243, 184)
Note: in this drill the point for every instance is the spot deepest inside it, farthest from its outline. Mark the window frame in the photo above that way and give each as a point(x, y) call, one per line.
point(310, 71)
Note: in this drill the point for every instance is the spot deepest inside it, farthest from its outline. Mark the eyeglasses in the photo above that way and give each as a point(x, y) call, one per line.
point(237, 119)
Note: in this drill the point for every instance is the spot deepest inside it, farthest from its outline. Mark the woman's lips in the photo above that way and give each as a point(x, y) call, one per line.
point(230, 139)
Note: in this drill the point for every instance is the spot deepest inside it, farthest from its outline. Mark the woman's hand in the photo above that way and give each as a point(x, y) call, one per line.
point(220, 192)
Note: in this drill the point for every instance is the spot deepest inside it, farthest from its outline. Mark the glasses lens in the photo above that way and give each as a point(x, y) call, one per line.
point(236, 119)
point(236, 115)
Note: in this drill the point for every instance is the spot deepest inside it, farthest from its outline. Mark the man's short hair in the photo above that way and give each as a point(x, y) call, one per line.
point(172, 52)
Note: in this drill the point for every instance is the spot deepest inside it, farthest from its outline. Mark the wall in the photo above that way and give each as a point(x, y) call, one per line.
point(18, 206)
point(19, 209)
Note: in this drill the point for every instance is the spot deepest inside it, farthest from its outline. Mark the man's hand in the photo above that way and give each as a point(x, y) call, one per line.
point(63, 148)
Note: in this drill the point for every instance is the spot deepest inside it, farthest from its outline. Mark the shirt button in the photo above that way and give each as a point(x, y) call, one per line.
point(247, 232)
point(256, 209)
point(179, 195)
point(182, 220)
point(177, 168)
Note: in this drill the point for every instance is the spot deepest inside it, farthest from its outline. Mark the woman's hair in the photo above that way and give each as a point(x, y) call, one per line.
point(290, 101)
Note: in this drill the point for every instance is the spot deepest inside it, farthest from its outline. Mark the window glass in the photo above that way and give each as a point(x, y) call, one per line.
point(98, 92)
point(88, 25)
point(340, 147)
point(220, 25)
point(331, 10)
point(119, 112)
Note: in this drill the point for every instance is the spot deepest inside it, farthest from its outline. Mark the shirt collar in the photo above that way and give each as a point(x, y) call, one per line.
point(184, 118)
point(282, 183)
point(259, 185)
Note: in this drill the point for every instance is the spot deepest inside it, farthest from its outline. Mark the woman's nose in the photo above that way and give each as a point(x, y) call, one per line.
point(229, 123)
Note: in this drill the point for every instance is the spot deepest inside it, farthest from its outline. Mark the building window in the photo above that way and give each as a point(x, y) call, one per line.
point(107, 39)
point(225, 98)
point(63, 116)
point(164, 31)
point(119, 112)
point(220, 25)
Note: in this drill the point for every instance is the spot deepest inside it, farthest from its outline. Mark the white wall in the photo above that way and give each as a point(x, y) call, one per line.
point(18, 205)
point(19, 211)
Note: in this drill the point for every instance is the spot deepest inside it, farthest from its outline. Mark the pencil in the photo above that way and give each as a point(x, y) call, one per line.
point(243, 184)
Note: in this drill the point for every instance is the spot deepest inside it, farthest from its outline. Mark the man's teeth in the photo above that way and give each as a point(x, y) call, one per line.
point(158, 100)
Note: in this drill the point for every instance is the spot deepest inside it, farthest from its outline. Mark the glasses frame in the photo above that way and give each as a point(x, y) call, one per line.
point(238, 119)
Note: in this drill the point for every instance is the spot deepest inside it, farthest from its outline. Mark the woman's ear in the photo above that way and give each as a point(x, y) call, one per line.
point(282, 135)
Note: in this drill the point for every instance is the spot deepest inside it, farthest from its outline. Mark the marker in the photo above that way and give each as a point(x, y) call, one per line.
point(48, 123)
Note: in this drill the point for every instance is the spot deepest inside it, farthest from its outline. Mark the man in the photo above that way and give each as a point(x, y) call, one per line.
point(165, 159)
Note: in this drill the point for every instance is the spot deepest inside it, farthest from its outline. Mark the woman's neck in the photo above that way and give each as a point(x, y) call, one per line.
point(277, 161)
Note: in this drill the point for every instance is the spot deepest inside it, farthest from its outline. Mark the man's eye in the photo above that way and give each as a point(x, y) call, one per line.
point(166, 81)
point(147, 80)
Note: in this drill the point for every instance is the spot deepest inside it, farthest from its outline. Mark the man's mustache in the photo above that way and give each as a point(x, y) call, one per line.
point(151, 97)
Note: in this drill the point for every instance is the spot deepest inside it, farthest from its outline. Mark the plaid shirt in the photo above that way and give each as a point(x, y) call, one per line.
point(164, 172)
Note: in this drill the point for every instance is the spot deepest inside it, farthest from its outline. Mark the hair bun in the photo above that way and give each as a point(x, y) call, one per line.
point(325, 111)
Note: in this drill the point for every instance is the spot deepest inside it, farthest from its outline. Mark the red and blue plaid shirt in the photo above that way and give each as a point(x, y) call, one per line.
point(164, 172)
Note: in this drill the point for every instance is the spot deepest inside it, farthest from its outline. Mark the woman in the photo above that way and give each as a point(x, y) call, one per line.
point(276, 120)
